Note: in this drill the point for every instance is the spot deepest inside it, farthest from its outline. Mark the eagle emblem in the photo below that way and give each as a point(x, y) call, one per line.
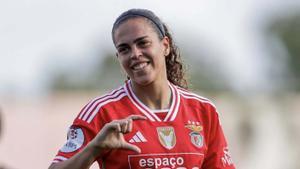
point(166, 136)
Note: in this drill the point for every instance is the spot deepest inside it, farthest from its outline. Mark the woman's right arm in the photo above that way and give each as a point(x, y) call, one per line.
point(82, 160)
point(110, 137)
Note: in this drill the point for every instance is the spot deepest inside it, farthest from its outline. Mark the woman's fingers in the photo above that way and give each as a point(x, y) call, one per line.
point(112, 133)
point(124, 125)
point(137, 117)
point(120, 126)
point(129, 129)
point(115, 126)
point(134, 117)
point(131, 147)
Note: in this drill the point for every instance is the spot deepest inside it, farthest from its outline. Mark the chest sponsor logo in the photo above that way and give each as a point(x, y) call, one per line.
point(166, 136)
point(166, 161)
point(75, 140)
point(195, 135)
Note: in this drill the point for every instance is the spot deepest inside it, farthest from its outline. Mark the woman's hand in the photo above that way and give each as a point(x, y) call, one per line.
point(111, 135)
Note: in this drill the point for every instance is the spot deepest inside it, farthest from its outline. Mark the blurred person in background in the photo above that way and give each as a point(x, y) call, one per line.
point(1, 125)
point(152, 121)
point(1, 167)
point(0, 122)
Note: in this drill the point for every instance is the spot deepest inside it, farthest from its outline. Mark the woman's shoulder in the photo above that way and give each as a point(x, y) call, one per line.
point(112, 94)
point(193, 96)
point(94, 106)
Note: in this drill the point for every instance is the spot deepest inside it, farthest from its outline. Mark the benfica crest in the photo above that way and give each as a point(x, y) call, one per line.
point(196, 137)
point(166, 137)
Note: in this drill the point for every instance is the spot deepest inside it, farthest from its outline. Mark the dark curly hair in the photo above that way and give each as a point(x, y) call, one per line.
point(174, 65)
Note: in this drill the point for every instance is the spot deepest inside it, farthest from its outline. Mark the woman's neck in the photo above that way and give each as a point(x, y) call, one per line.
point(156, 95)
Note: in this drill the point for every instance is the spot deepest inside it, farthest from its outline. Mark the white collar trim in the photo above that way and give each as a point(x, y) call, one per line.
point(150, 114)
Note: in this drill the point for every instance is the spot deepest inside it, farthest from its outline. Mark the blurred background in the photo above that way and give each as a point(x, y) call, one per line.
point(244, 55)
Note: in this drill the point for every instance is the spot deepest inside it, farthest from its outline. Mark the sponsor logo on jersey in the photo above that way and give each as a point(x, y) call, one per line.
point(226, 159)
point(137, 137)
point(166, 136)
point(166, 161)
point(75, 140)
point(196, 137)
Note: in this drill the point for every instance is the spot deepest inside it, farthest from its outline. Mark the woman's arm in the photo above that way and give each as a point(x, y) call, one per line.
point(82, 160)
point(109, 137)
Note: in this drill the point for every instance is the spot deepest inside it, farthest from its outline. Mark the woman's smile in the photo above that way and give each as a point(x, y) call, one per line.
point(139, 66)
point(141, 52)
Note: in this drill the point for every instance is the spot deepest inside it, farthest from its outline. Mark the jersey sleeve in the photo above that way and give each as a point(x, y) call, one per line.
point(80, 133)
point(217, 156)
point(78, 136)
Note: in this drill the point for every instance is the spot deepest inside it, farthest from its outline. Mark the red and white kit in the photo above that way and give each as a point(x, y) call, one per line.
point(186, 136)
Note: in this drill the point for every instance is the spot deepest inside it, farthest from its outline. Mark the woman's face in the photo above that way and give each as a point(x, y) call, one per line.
point(140, 51)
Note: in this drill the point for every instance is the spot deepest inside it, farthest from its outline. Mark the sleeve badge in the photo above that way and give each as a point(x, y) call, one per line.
point(75, 140)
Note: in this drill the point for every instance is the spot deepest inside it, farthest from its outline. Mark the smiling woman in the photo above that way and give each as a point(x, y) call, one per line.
point(175, 73)
point(152, 121)
point(141, 52)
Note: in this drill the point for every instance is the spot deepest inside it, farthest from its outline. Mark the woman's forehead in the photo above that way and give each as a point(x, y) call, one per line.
point(133, 28)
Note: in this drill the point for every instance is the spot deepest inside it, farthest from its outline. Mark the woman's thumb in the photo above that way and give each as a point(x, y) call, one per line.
point(132, 147)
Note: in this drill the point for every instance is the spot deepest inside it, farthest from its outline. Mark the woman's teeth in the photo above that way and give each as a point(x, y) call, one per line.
point(140, 66)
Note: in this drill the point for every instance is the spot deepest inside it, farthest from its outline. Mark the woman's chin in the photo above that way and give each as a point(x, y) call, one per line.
point(143, 81)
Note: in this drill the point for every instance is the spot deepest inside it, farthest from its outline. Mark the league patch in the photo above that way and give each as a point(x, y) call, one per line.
point(196, 137)
point(75, 140)
point(166, 136)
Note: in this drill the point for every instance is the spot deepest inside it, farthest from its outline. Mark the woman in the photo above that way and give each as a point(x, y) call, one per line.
point(151, 121)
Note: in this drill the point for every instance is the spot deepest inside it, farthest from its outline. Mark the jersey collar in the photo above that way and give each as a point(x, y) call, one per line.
point(172, 113)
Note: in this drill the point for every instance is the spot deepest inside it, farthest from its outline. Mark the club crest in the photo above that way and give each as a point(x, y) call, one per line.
point(166, 136)
point(196, 137)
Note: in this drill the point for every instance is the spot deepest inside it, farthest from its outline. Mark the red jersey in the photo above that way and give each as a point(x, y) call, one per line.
point(187, 135)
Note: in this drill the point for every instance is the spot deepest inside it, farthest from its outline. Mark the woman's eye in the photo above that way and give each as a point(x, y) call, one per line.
point(122, 50)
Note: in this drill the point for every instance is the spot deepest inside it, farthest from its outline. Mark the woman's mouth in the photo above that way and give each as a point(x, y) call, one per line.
point(140, 66)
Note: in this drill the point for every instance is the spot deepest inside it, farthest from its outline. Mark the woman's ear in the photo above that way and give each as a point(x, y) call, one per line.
point(117, 54)
point(166, 43)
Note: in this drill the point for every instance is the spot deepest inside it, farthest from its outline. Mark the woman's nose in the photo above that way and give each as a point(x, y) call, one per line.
point(136, 52)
